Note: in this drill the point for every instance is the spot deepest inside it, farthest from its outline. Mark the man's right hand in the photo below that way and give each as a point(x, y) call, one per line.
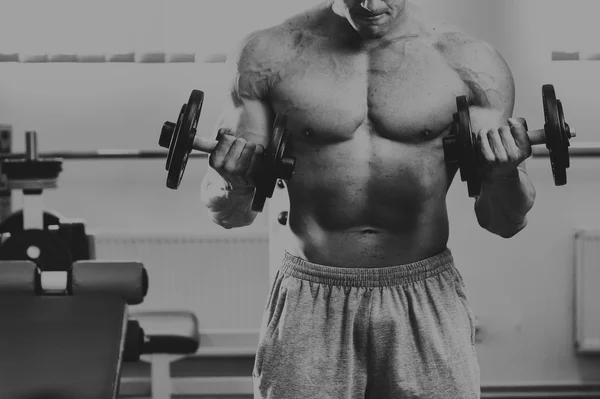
point(236, 160)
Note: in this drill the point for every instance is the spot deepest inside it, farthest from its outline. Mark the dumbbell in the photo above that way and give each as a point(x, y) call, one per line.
point(460, 145)
point(180, 138)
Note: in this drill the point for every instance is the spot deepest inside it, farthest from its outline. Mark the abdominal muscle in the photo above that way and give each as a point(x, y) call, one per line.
point(368, 202)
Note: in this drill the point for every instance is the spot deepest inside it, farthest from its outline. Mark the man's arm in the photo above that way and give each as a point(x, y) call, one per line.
point(227, 188)
point(506, 197)
point(505, 201)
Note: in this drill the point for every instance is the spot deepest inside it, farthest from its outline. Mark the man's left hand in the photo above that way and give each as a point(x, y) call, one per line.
point(503, 149)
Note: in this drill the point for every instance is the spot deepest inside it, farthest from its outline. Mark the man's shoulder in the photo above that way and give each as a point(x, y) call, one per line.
point(478, 63)
point(262, 46)
point(463, 51)
point(258, 44)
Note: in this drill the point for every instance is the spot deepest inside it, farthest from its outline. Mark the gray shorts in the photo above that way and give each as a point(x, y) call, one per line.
point(344, 333)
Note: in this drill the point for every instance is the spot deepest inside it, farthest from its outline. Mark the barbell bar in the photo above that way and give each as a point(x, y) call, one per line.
point(591, 149)
point(576, 150)
point(203, 145)
point(101, 154)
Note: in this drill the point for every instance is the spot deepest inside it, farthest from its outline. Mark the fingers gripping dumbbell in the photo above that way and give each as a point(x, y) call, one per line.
point(180, 138)
point(460, 145)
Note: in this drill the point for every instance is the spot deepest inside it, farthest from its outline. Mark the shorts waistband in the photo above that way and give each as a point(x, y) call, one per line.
point(367, 277)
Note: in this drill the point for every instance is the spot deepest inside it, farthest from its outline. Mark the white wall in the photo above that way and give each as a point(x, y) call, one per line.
point(521, 289)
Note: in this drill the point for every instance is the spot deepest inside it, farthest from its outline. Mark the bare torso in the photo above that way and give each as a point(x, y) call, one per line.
point(367, 124)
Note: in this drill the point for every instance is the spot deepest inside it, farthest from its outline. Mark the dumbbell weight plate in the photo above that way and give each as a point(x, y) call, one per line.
point(557, 135)
point(167, 134)
point(566, 130)
point(23, 169)
point(469, 171)
point(183, 135)
point(459, 147)
point(275, 166)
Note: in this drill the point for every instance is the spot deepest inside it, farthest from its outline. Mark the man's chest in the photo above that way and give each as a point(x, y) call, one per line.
point(401, 90)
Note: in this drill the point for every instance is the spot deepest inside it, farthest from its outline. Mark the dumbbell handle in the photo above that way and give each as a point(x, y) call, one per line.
point(203, 144)
point(538, 137)
point(199, 144)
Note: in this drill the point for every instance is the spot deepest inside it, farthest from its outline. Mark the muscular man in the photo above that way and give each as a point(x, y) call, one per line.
point(367, 302)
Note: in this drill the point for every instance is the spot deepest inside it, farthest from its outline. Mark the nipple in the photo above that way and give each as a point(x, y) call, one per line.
point(426, 132)
point(308, 133)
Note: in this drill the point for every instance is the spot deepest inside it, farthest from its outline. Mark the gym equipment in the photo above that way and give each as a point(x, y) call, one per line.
point(171, 336)
point(102, 154)
point(28, 171)
point(50, 289)
point(61, 347)
point(52, 160)
point(134, 342)
point(460, 148)
point(161, 336)
point(5, 192)
point(31, 166)
point(44, 247)
point(180, 138)
point(42, 237)
point(58, 239)
point(588, 149)
point(127, 281)
point(60, 324)
point(15, 221)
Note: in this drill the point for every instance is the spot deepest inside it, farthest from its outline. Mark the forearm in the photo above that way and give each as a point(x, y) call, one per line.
point(504, 203)
point(228, 208)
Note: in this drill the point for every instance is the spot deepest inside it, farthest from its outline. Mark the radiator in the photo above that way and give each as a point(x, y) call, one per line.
point(587, 295)
point(221, 276)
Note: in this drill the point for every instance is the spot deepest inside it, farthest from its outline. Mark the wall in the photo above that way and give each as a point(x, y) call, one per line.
point(521, 289)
